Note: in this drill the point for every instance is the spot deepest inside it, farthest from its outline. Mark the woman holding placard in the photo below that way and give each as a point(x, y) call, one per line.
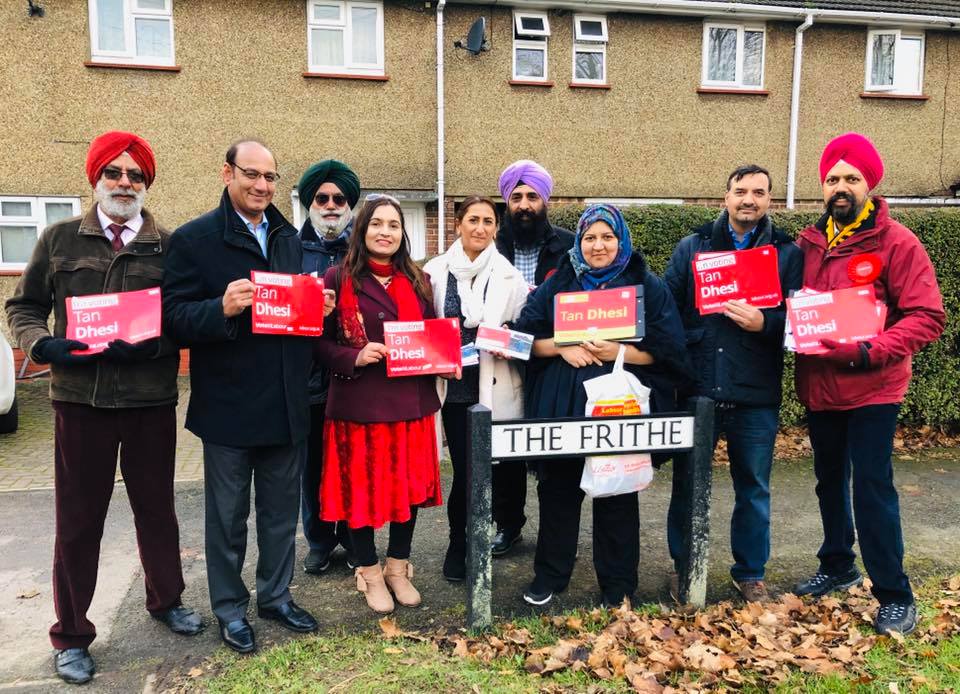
point(474, 283)
point(602, 258)
point(380, 443)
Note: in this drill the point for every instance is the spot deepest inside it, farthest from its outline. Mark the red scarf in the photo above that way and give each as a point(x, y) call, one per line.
point(400, 290)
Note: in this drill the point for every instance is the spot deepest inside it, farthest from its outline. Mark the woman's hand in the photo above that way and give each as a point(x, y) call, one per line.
point(456, 374)
point(578, 356)
point(604, 350)
point(371, 353)
point(329, 301)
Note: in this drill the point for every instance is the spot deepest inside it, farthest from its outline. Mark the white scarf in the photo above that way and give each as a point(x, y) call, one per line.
point(472, 278)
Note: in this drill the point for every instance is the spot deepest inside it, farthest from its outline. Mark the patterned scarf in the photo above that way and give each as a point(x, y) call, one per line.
point(837, 236)
point(400, 290)
point(591, 278)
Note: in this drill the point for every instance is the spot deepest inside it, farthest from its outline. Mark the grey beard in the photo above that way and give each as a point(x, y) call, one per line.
point(326, 229)
point(116, 209)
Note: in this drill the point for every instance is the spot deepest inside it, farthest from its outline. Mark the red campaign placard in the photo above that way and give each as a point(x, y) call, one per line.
point(287, 304)
point(417, 348)
point(749, 275)
point(97, 319)
point(844, 315)
point(601, 314)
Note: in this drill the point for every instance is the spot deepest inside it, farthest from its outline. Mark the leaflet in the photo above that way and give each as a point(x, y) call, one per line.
point(97, 319)
point(510, 343)
point(601, 314)
point(845, 315)
point(750, 275)
point(417, 348)
point(287, 304)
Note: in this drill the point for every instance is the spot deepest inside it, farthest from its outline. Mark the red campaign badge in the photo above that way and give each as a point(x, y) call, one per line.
point(864, 268)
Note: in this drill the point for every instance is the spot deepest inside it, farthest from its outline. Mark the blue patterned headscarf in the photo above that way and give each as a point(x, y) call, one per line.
point(589, 277)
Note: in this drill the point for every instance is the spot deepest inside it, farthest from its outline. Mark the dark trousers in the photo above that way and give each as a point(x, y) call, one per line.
point(321, 535)
point(616, 533)
point(398, 547)
point(858, 443)
point(509, 480)
point(751, 433)
point(276, 479)
point(86, 442)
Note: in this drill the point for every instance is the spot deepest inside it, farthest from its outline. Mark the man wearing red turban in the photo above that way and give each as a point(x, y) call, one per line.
point(853, 391)
point(121, 400)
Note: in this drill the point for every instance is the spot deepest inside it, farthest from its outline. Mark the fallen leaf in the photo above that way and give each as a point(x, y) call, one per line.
point(195, 672)
point(389, 628)
point(393, 651)
point(27, 594)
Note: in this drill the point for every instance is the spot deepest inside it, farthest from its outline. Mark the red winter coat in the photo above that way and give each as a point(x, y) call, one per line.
point(915, 315)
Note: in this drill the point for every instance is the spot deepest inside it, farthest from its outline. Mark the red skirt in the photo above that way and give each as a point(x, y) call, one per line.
point(373, 473)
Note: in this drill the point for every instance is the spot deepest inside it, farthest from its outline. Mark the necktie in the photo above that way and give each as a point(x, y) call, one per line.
point(117, 240)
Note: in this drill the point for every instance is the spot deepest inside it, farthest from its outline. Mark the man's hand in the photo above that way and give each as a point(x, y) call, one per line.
point(58, 350)
point(329, 301)
point(371, 353)
point(238, 296)
point(848, 355)
point(604, 350)
point(127, 353)
point(578, 356)
point(744, 315)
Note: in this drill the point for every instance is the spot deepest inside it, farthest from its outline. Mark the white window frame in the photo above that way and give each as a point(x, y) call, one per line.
point(589, 44)
point(345, 24)
point(892, 88)
point(531, 39)
point(737, 83)
point(37, 218)
point(520, 15)
point(131, 12)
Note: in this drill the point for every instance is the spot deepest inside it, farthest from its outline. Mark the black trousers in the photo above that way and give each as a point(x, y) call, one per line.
point(398, 547)
point(323, 536)
point(616, 533)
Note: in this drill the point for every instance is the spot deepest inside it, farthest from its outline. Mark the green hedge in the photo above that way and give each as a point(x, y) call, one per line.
point(933, 395)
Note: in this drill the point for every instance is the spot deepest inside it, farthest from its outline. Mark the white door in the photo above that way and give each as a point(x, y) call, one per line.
point(415, 219)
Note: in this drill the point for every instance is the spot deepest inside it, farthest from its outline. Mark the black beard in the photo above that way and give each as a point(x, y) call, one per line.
point(845, 217)
point(528, 227)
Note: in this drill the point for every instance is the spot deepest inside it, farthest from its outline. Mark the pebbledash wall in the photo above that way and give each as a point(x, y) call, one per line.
point(651, 132)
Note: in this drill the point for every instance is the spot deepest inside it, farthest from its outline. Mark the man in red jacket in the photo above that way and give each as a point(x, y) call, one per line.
point(853, 391)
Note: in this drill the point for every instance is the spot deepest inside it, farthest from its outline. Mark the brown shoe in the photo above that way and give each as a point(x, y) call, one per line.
point(370, 582)
point(753, 591)
point(397, 573)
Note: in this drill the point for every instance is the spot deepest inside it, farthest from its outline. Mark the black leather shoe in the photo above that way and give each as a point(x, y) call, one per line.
point(504, 540)
point(290, 615)
point(74, 665)
point(181, 620)
point(455, 564)
point(238, 634)
point(821, 583)
point(317, 561)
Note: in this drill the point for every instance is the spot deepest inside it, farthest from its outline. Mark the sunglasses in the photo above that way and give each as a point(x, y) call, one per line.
point(133, 175)
point(338, 200)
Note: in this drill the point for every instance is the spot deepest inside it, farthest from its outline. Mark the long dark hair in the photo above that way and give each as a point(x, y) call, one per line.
point(354, 263)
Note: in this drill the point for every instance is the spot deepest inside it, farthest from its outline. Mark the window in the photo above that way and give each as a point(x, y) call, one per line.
point(345, 37)
point(138, 32)
point(530, 33)
point(894, 61)
point(589, 49)
point(21, 221)
point(733, 56)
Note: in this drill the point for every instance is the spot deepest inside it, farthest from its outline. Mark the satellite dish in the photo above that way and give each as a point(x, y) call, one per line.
point(475, 38)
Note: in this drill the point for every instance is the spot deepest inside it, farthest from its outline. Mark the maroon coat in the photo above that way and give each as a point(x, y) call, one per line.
point(366, 394)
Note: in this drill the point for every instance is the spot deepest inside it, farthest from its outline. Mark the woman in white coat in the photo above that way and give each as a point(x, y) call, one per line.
point(474, 283)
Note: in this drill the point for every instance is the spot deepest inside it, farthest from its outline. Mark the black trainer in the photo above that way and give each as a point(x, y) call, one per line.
point(821, 583)
point(536, 596)
point(893, 617)
point(317, 561)
point(504, 540)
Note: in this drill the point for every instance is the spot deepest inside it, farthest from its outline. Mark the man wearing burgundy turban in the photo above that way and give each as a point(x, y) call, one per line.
point(853, 390)
point(122, 399)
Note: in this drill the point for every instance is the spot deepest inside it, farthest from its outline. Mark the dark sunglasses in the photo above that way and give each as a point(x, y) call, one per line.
point(338, 200)
point(133, 175)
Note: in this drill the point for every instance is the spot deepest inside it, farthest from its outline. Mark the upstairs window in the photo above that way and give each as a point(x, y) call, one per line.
point(589, 49)
point(138, 32)
point(894, 61)
point(733, 56)
point(21, 221)
point(530, 33)
point(345, 37)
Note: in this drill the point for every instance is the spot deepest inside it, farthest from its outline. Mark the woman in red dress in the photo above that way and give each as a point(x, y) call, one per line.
point(380, 443)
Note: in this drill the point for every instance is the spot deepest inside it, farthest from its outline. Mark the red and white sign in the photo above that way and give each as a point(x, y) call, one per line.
point(417, 348)
point(510, 343)
point(287, 304)
point(845, 315)
point(97, 319)
point(601, 314)
point(749, 275)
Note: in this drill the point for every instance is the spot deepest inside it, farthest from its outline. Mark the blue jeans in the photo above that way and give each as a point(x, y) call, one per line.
point(858, 443)
point(750, 433)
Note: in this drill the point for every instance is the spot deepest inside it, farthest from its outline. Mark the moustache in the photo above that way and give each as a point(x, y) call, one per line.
point(841, 196)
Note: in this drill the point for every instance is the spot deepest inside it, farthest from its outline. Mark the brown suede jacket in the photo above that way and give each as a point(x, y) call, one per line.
point(74, 258)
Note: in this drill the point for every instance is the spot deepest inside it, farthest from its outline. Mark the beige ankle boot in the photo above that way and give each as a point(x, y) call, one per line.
point(370, 583)
point(397, 573)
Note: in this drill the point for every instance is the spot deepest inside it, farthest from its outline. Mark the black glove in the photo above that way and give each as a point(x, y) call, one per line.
point(58, 350)
point(128, 353)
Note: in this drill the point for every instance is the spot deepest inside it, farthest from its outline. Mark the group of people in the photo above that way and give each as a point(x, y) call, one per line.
point(322, 432)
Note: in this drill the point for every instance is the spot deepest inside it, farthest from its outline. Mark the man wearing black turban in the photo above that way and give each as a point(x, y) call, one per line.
point(328, 189)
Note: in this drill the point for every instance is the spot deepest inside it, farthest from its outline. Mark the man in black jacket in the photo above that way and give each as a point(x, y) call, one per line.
point(738, 356)
point(249, 400)
point(535, 247)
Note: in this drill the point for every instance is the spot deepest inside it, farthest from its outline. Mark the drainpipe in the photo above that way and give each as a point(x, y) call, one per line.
point(795, 112)
point(440, 141)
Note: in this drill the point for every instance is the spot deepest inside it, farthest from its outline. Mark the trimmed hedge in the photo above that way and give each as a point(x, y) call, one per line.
point(933, 395)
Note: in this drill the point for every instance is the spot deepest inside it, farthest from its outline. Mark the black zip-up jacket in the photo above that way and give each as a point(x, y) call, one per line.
point(557, 241)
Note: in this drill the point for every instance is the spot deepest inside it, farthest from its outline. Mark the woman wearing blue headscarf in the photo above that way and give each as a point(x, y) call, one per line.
point(602, 257)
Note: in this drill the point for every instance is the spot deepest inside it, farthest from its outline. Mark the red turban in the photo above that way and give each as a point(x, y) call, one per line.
point(109, 146)
point(858, 152)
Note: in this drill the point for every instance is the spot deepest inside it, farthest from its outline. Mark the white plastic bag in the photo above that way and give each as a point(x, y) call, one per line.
point(615, 394)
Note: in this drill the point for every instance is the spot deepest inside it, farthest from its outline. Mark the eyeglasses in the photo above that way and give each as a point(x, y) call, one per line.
point(135, 176)
point(253, 174)
point(338, 200)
